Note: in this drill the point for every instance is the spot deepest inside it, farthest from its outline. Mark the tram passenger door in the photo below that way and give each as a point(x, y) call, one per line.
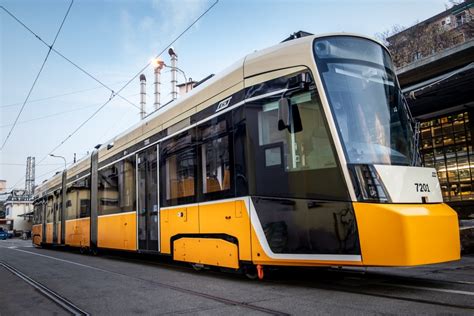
point(147, 199)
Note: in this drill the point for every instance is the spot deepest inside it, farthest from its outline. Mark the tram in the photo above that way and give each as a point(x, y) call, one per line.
point(302, 154)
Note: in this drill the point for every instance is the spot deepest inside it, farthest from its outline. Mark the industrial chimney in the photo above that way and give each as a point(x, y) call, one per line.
point(159, 64)
point(142, 96)
point(174, 73)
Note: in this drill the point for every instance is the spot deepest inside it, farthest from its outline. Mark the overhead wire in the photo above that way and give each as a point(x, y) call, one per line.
point(57, 113)
point(67, 59)
point(51, 115)
point(114, 94)
point(37, 76)
point(57, 95)
point(133, 78)
point(22, 164)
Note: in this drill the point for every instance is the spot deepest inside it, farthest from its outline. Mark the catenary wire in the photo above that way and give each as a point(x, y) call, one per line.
point(58, 113)
point(123, 87)
point(51, 115)
point(22, 164)
point(37, 76)
point(133, 78)
point(57, 95)
point(68, 60)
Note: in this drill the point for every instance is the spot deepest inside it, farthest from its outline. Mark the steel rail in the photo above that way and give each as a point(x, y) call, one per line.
point(216, 298)
point(53, 296)
point(386, 283)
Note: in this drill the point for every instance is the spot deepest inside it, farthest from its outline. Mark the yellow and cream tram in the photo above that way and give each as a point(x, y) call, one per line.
point(301, 154)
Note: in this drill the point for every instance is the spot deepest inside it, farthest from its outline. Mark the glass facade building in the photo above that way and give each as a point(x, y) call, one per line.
point(446, 144)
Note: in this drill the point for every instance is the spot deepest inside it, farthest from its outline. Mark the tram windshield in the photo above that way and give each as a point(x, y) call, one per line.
point(365, 100)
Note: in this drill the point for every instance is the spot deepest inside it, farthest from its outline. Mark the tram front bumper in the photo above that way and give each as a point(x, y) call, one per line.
point(407, 234)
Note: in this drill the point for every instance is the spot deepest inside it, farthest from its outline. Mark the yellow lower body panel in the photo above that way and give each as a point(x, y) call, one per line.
point(407, 234)
point(118, 231)
point(49, 233)
point(78, 232)
point(177, 220)
point(37, 234)
point(209, 251)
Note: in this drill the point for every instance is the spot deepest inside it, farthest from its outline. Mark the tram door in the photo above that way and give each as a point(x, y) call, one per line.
point(147, 199)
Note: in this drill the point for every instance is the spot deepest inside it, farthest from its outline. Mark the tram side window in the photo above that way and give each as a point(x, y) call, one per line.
point(127, 184)
point(58, 205)
point(116, 192)
point(71, 202)
point(78, 199)
point(178, 170)
point(215, 159)
point(49, 210)
point(107, 192)
point(216, 166)
point(288, 162)
point(38, 214)
point(83, 188)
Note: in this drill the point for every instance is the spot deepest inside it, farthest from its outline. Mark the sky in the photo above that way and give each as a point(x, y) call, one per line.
point(113, 40)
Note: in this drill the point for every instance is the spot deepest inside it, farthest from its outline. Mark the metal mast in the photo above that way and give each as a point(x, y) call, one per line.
point(30, 176)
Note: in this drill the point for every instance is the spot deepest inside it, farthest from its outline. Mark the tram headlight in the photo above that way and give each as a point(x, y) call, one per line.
point(367, 184)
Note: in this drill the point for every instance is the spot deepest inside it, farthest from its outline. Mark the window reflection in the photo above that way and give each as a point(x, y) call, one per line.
point(116, 191)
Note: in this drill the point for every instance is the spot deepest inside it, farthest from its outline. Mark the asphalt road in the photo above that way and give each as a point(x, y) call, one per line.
point(129, 284)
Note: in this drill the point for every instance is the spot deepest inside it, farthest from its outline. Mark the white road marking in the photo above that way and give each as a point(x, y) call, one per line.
point(432, 289)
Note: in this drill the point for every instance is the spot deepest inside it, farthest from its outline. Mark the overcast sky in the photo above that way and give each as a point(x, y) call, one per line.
point(113, 40)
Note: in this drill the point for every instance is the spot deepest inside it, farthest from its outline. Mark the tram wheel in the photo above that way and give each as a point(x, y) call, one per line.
point(94, 251)
point(197, 266)
point(250, 272)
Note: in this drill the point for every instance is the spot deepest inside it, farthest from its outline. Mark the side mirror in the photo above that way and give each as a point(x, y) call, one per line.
point(283, 113)
point(289, 116)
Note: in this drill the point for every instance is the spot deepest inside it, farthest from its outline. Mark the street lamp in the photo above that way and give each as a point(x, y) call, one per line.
point(63, 204)
point(55, 156)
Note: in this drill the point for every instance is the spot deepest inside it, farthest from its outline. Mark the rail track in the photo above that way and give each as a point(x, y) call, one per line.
point(329, 279)
point(69, 306)
point(368, 283)
point(50, 294)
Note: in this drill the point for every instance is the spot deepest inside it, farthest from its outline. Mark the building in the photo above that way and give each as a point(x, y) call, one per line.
point(19, 210)
point(442, 31)
point(3, 197)
point(3, 186)
point(435, 67)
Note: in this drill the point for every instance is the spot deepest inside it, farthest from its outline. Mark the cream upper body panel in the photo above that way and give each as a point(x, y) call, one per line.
point(80, 166)
point(48, 185)
point(285, 55)
point(297, 52)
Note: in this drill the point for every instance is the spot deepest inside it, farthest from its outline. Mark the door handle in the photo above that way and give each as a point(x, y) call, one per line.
point(228, 217)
